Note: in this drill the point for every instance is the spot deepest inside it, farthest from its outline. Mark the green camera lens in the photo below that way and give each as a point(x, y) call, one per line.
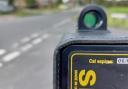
point(90, 20)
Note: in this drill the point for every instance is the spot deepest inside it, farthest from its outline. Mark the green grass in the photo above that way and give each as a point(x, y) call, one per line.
point(37, 11)
point(117, 23)
point(121, 23)
point(118, 9)
point(25, 13)
point(48, 9)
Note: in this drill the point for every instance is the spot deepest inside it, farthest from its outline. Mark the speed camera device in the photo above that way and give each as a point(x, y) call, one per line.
point(93, 57)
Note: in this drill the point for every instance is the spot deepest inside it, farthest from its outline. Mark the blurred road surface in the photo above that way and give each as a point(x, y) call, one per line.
point(26, 49)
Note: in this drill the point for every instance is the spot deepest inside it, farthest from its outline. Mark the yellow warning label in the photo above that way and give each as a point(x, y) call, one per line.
point(83, 74)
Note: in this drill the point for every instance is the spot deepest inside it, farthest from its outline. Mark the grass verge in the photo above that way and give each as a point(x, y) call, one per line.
point(121, 23)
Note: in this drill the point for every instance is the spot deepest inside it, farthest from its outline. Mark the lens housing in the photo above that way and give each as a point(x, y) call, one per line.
point(92, 17)
point(92, 20)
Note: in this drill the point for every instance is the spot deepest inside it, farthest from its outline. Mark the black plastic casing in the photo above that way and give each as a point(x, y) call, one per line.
point(87, 41)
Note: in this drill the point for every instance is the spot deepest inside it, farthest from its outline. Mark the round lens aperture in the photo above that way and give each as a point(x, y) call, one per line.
point(90, 20)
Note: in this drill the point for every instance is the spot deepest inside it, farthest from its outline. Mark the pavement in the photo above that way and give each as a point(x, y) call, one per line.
point(27, 46)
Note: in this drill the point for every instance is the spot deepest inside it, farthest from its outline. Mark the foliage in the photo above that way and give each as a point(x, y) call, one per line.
point(31, 3)
point(11, 2)
point(59, 1)
point(103, 2)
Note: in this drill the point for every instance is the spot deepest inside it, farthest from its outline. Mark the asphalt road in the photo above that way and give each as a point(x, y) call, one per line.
point(26, 49)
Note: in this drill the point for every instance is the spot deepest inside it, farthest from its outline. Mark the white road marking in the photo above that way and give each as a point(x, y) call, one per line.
point(11, 56)
point(35, 35)
point(26, 47)
point(45, 36)
point(61, 23)
point(26, 39)
point(1, 65)
point(15, 45)
point(37, 41)
point(2, 51)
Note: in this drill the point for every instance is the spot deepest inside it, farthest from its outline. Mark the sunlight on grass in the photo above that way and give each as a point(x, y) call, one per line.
point(117, 23)
point(118, 9)
point(122, 23)
point(24, 13)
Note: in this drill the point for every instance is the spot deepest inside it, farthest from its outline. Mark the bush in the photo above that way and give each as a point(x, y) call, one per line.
point(59, 2)
point(31, 3)
point(11, 2)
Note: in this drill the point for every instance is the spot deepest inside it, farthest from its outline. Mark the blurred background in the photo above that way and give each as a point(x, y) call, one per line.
point(30, 31)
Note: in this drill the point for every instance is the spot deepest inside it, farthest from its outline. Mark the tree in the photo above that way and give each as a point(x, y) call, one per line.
point(59, 2)
point(31, 3)
point(102, 2)
point(11, 2)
